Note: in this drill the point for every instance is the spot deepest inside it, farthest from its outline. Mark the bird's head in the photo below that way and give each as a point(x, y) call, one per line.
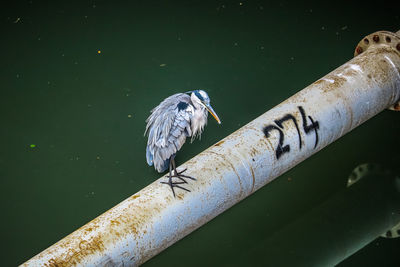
point(200, 98)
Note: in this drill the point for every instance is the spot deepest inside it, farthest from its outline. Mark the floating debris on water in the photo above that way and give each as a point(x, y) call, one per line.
point(163, 65)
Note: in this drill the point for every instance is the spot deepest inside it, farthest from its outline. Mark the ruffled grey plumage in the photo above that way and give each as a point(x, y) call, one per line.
point(171, 122)
point(167, 127)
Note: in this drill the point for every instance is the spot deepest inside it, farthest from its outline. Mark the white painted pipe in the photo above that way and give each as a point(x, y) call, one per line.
point(151, 220)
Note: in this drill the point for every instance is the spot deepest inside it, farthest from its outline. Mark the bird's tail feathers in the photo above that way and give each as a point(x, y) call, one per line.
point(149, 156)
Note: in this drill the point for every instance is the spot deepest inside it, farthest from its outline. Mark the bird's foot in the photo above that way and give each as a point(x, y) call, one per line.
point(176, 184)
point(181, 177)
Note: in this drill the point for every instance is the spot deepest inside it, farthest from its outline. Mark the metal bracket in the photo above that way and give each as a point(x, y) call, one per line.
point(359, 172)
point(380, 39)
point(392, 233)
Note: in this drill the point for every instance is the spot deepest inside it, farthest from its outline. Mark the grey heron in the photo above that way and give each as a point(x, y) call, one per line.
point(177, 117)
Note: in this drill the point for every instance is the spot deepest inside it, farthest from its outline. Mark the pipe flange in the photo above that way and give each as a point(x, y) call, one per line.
point(380, 39)
point(395, 107)
point(392, 233)
point(361, 170)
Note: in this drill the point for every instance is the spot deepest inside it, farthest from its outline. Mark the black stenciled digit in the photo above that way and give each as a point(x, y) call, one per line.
point(313, 126)
point(286, 118)
point(280, 148)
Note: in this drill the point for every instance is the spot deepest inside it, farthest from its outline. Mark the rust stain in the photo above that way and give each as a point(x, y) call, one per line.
point(253, 152)
point(254, 178)
point(318, 82)
point(75, 256)
point(268, 143)
point(380, 72)
point(337, 83)
point(219, 143)
point(115, 224)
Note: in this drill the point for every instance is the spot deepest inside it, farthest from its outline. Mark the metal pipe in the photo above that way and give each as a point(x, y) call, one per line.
point(152, 219)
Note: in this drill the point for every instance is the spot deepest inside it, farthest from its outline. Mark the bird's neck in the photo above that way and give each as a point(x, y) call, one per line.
point(198, 121)
point(200, 110)
point(197, 105)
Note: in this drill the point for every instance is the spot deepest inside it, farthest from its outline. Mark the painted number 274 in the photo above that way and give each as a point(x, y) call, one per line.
point(309, 126)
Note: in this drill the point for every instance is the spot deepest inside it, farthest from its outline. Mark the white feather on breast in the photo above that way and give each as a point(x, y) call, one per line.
point(198, 121)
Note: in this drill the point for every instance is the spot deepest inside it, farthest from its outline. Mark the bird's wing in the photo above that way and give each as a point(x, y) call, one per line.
point(167, 127)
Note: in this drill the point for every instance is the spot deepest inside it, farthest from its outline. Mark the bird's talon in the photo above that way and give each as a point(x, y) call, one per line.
point(189, 177)
point(182, 171)
point(181, 176)
point(181, 187)
point(173, 183)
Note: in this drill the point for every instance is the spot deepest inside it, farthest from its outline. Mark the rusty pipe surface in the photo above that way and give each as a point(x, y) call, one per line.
point(152, 219)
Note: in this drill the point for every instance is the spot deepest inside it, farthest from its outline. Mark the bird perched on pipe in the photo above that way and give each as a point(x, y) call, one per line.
point(177, 117)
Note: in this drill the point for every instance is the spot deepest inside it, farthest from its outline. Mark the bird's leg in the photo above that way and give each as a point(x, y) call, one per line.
point(176, 184)
point(179, 175)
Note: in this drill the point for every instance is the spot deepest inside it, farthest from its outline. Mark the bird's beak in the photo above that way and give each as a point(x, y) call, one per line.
point(212, 112)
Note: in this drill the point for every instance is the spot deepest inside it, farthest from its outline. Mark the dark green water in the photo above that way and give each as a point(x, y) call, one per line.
point(78, 80)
